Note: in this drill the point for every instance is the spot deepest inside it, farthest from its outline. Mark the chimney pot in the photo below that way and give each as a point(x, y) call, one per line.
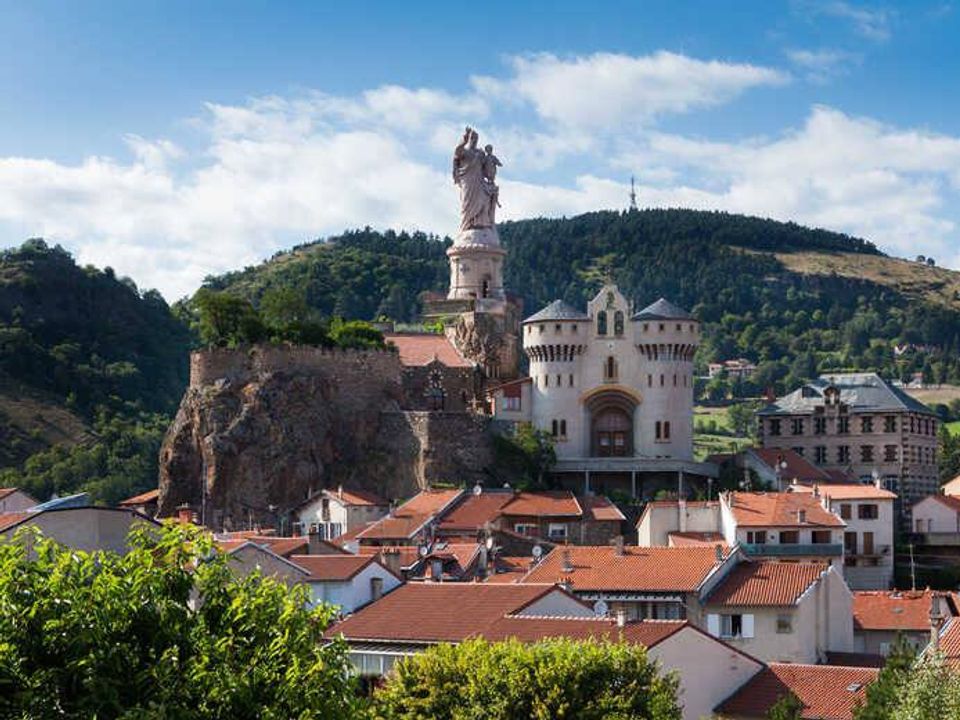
point(567, 565)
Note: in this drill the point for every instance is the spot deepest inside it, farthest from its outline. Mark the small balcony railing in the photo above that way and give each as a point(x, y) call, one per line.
point(798, 550)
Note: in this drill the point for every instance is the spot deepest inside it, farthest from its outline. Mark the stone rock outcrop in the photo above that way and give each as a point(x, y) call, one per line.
point(267, 427)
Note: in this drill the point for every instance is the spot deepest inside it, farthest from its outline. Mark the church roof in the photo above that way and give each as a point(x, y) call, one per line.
point(663, 309)
point(558, 310)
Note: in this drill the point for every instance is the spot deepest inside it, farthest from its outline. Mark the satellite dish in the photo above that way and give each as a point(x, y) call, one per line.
point(477, 489)
point(489, 543)
point(423, 550)
point(537, 552)
point(600, 608)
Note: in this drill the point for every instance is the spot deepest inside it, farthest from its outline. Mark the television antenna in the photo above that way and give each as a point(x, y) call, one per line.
point(633, 194)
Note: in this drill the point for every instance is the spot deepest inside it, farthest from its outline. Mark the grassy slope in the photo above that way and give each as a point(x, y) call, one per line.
point(31, 421)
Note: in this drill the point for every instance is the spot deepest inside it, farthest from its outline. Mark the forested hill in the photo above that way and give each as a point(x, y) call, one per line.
point(90, 370)
point(795, 300)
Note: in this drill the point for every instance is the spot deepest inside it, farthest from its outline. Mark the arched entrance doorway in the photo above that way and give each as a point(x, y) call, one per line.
point(611, 424)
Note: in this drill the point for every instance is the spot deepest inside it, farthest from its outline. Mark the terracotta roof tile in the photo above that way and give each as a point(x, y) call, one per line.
point(602, 509)
point(404, 522)
point(950, 642)
point(759, 509)
point(282, 546)
point(771, 584)
point(407, 555)
point(332, 568)
point(7, 491)
point(424, 612)
point(10, 519)
point(463, 553)
point(894, 610)
point(695, 539)
point(828, 692)
point(798, 467)
point(417, 349)
point(475, 511)
point(350, 496)
point(544, 504)
point(148, 496)
point(654, 569)
point(847, 491)
point(510, 569)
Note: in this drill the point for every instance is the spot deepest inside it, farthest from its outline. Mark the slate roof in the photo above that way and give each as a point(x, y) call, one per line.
point(760, 509)
point(828, 692)
point(558, 310)
point(862, 392)
point(663, 309)
point(765, 584)
point(639, 569)
point(895, 610)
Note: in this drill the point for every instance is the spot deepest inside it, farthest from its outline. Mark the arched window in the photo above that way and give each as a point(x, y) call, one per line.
point(563, 428)
point(553, 428)
point(610, 368)
point(618, 323)
point(602, 322)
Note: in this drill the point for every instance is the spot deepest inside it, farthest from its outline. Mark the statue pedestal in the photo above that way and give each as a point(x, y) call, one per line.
point(482, 238)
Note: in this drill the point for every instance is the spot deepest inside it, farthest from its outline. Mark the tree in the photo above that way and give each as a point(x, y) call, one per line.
point(536, 450)
point(226, 320)
point(931, 692)
point(557, 678)
point(883, 694)
point(741, 418)
point(165, 631)
point(356, 334)
point(787, 707)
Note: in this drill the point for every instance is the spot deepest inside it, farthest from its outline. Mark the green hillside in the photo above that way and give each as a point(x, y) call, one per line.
point(90, 371)
point(793, 318)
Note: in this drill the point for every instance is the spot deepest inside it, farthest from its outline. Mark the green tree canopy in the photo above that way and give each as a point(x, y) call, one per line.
point(166, 631)
point(551, 680)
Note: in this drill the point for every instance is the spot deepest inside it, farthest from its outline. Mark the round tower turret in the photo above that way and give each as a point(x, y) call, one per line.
point(666, 338)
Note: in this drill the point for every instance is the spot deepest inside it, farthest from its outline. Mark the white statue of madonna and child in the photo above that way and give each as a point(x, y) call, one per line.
point(475, 173)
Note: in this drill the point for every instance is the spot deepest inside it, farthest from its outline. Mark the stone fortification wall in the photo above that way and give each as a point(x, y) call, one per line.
point(245, 363)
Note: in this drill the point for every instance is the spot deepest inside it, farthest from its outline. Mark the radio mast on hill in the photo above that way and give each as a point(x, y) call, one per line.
point(633, 194)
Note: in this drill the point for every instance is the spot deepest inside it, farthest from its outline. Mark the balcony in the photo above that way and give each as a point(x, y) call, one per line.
point(799, 550)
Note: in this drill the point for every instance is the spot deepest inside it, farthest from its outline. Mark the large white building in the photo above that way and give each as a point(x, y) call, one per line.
point(614, 389)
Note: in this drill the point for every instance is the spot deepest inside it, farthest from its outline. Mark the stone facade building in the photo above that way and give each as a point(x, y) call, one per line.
point(614, 388)
point(862, 425)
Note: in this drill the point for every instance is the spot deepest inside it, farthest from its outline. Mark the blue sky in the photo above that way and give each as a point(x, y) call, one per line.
point(175, 139)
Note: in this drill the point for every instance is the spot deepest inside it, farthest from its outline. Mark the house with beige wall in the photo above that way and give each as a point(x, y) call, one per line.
point(83, 528)
point(331, 513)
point(781, 612)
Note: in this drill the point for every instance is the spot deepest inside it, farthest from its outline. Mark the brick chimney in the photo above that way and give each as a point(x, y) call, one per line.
point(618, 545)
point(567, 562)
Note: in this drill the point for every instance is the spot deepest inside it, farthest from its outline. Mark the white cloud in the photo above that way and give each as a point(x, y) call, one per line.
point(872, 23)
point(279, 170)
point(821, 66)
point(605, 90)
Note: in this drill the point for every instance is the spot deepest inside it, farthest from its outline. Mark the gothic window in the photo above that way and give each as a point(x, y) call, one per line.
point(602, 322)
point(618, 323)
point(436, 397)
point(666, 429)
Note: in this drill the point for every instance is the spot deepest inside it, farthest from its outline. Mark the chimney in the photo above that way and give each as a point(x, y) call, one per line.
point(184, 514)
point(376, 588)
point(682, 511)
point(718, 551)
point(340, 492)
point(621, 617)
point(618, 545)
point(567, 562)
point(936, 622)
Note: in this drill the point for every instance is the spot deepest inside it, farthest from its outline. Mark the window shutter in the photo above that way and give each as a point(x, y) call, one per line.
point(748, 626)
point(713, 624)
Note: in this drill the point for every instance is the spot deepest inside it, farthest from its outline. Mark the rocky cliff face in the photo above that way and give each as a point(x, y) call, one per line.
point(267, 429)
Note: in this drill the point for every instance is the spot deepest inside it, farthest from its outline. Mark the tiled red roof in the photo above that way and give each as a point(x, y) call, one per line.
point(695, 539)
point(760, 584)
point(798, 467)
point(951, 501)
point(653, 569)
point(475, 511)
point(410, 517)
point(12, 518)
point(407, 555)
point(601, 509)
point(510, 569)
point(544, 504)
point(437, 612)
point(951, 487)
point(356, 497)
point(847, 491)
point(758, 509)
point(828, 692)
point(950, 642)
point(417, 349)
point(332, 568)
point(463, 553)
point(283, 546)
point(148, 496)
point(7, 491)
point(892, 610)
